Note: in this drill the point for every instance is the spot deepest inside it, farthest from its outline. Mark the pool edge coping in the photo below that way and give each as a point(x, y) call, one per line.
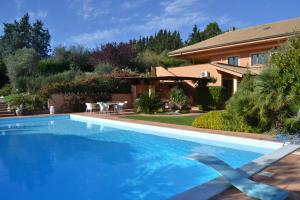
point(219, 184)
point(251, 142)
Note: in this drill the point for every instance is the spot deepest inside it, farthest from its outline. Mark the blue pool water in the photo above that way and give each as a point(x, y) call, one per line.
point(58, 158)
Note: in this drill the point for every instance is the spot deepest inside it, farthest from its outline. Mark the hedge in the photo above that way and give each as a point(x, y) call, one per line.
point(219, 120)
point(211, 97)
point(30, 102)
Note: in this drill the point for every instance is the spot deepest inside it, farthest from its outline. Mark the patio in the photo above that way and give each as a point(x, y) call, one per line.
point(163, 84)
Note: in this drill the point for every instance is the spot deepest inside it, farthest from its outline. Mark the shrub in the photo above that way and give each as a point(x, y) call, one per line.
point(219, 120)
point(121, 86)
point(203, 98)
point(103, 68)
point(30, 102)
point(210, 120)
point(33, 84)
point(217, 96)
point(51, 66)
point(5, 90)
point(178, 97)
point(167, 61)
point(211, 97)
point(271, 101)
point(148, 103)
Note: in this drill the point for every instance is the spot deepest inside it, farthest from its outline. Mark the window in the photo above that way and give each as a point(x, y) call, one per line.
point(233, 60)
point(259, 58)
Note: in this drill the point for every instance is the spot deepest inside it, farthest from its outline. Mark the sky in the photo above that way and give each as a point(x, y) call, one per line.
point(95, 22)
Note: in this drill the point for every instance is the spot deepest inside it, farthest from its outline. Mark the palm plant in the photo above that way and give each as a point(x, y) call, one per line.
point(148, 103)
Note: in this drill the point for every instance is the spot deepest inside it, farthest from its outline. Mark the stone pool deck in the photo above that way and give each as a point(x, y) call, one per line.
point(285, 173)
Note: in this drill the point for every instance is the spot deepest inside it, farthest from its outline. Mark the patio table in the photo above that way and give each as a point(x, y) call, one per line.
point(109, 104)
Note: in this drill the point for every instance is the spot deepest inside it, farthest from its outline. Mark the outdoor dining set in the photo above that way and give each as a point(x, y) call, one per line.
point(106, 107)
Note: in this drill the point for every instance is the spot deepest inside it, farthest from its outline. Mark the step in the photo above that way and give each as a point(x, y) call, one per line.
point(6, 115)
point(5, 112)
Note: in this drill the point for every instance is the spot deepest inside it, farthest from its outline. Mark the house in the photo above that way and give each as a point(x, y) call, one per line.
point(226, 58)
point(231, 55)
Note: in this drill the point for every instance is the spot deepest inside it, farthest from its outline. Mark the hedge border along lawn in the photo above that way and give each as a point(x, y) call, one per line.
point(179, 120)
point(218, 121)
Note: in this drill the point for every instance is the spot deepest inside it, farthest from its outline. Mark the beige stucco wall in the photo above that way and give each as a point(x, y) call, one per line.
point(195, 71)
point(161, 71)
point(58, 101)
point(244, 57)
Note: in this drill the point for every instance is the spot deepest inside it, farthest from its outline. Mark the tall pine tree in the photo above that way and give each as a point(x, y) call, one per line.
point(211, 30)
point(20, 34)
point(163, 40)
point(195, 36)
point(40, 38)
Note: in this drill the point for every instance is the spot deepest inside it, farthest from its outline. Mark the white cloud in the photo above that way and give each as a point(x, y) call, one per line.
point(92, 38)
point(178, 6)
point(174, 15)
point(129, 4)
point(89, 9)
point(41, 14)
point(171, 15)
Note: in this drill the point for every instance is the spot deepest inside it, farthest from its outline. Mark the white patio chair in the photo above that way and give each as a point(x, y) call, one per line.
point(103, 107)
point(94, 106)
point(89, 107)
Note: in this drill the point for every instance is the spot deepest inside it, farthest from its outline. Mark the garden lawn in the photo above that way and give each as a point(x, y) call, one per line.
point(180, 120)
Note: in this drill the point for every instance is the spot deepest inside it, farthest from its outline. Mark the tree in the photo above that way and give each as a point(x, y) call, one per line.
point(270, 101)
point(60, 54)
point(23, 28)
point(24, 62)
point(104, 68)
point(212, 30)
point(3, 77)
point(40, 39)
point(147, 59)
point(74, 57)
point(120, 55)
point(78, 57)
point(195, 36)
point(163, 40)
point(20, 34)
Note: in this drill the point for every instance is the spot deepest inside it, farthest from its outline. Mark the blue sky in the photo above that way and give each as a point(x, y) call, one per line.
point(92, 22)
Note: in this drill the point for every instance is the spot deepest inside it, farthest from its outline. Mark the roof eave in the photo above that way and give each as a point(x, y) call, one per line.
point(280, 36)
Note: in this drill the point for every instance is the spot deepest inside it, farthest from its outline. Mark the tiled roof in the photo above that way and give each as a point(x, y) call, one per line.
point(238, 69)
point(266, 31)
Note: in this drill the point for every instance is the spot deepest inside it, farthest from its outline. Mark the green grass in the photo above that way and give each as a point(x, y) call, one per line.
point(180, 120)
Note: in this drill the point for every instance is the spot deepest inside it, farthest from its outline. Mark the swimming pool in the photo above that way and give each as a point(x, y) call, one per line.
point(65, 157)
